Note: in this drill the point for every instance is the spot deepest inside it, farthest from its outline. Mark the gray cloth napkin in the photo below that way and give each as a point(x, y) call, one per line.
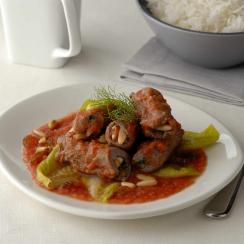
point(154, 64)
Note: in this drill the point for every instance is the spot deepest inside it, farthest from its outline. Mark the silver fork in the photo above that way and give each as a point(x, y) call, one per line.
point(220, 206)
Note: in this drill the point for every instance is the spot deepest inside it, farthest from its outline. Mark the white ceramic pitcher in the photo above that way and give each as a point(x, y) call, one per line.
point(42, 33)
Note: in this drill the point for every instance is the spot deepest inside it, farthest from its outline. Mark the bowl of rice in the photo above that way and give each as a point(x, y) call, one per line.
point(208, 33)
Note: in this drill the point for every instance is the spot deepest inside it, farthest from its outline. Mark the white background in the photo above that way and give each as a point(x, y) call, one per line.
point(112, 31)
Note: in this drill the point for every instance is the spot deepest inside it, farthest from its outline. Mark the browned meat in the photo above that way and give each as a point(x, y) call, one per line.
point(88, 124)
point(151, 155)
point(121, 135)
point(166, 131)
point(151, 107)
point(157, 123)
point(155, 115)
point(94, 158)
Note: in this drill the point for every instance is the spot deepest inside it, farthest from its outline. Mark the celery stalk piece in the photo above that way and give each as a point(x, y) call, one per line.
point(51, 174)
point(85, 105)
point(97, 189)
point(89, 104)
point(64, 175)
point(108, 192)
point(47, 167)
point(173, 172)
point(94, 186)
point(195, 140)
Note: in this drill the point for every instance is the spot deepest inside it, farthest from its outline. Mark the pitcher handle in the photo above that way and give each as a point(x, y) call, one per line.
point(73, 26)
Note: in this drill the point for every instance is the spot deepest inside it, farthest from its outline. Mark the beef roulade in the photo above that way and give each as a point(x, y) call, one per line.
point(94, 158)
point(169, 130)
point(151, 107)
point(151, 155)
point(155, 115)
point(121, 135)
point(88, 124)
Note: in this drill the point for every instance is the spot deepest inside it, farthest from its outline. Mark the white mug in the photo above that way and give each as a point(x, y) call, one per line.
point(42, 33)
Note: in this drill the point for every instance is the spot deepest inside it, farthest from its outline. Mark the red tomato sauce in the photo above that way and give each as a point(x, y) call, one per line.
point(165, 186)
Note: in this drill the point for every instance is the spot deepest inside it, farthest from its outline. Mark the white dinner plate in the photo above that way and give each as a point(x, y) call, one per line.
point(224, 158)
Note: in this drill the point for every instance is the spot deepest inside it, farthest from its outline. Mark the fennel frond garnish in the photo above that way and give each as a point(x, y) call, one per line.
point(119, 106)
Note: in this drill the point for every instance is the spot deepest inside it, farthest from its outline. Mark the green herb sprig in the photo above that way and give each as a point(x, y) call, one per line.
point(123, 108)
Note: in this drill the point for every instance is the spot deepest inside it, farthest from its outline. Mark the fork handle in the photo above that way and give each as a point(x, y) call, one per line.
point(221, 205)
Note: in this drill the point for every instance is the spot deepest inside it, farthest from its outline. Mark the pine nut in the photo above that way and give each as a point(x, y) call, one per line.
point(118, 161)
point(147, 183)
point(144, 177)
point(79, 136)
point(113, 136)
point(128, 184)
point(41, 149)
point(72, 129)
point(102, 139)
point(92, 165)
point(164, 128)
point(121, 137)
point(114, 133)
point(42, 140)
point(52, 124)
point(39, 133)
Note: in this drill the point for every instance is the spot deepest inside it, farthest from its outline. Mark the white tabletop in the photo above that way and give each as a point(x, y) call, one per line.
point(112, 30)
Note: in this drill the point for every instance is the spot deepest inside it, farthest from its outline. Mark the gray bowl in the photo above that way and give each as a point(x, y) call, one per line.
point(211, 50)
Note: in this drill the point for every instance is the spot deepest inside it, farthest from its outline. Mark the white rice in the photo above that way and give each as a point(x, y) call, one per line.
point(201, 15)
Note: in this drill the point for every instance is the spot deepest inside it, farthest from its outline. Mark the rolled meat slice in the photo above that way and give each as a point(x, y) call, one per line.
point(151, 107)
point(94, 158)
point(88, 124)
point(155, 115)
point(121, 135)
point(151, 155)
point(171, 129)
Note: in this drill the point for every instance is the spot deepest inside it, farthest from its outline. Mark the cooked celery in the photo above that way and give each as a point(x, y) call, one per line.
point(85, 105)
point(98, 190)
point(64, 175)
point(51, 174)
point(94, 185)
point(174, 172)
point(89, 104)
point(108, 192)
point(47, 167)
point(195, 140)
